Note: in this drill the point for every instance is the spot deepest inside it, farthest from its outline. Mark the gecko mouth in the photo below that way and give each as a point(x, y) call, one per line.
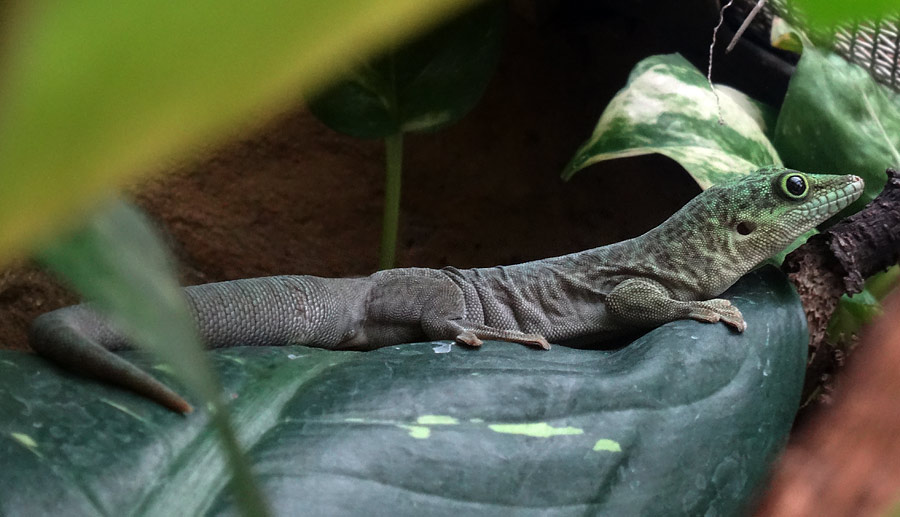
point(833, 201)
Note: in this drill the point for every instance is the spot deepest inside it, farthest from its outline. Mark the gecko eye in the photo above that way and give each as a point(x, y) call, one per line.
point(745, 227)
point(794, 186)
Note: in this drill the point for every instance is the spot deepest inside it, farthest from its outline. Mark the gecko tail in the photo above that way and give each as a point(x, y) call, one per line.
point(270, 311)
point(71, 338)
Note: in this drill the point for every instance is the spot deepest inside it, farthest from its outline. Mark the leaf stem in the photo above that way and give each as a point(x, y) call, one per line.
point(394, 169)
point(243, 484)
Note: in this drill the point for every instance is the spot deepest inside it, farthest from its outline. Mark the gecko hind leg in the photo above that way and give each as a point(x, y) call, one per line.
point(513, 336)
point(472, 334)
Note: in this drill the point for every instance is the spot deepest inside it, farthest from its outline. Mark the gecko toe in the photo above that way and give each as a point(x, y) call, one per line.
point(535, 340)
point(470, 339)
point(733, 318)
point(737, 324)
point(542, 343)
point(719, 309)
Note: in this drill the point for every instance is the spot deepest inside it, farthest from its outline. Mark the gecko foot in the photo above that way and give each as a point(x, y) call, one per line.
point(473, 338)
point(719, 310)
point(535, 340)
point(469, 338)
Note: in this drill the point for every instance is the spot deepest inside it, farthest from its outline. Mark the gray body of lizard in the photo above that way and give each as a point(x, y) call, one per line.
point(672, 272)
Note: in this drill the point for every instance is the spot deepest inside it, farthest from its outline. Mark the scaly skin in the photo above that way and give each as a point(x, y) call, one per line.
point(672, 272)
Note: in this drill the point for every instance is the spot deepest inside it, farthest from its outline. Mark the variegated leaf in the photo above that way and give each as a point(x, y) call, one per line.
point(837, 119)
point(667, 107)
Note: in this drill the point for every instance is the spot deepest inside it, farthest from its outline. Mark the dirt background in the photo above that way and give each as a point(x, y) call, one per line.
point(297, 198)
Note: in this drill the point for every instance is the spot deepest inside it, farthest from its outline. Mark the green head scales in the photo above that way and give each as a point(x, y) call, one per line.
point(734, 226)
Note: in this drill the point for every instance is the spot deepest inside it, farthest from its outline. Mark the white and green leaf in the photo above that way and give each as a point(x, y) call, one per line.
point(667, 107)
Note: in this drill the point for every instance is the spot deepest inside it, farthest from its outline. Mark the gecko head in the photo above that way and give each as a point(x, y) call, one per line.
point(763, 213)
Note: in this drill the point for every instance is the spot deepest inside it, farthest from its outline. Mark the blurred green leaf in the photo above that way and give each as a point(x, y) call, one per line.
point(827, 13)
point(667, 107)
point(118, 263)
point(837, 119)
point(94, 92)
point(778, 258)
point(883, 283)
point(432, 428)
point(785, 36)
point(424, 85)
point(854, 312)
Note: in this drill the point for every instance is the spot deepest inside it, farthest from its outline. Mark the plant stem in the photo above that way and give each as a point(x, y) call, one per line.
point(394, 169)
point(249, 499)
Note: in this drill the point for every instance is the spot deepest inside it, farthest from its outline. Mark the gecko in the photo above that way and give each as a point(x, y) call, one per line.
point(674, 271)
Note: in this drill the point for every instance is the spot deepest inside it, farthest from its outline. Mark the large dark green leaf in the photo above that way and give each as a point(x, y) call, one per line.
point(424, 85)
point(837, 119)
point(682, 421)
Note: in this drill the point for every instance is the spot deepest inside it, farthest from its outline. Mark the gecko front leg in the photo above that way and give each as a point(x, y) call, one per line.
point(640, 303)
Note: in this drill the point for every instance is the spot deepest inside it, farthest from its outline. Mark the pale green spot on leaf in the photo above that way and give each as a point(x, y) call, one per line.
point(236, 360)
point(25, 440)
point(537, 430)
point(164, 367)
point(437, 420)
point(124, 409)
point(605, 444)
point(421, 431)
point(418, 432)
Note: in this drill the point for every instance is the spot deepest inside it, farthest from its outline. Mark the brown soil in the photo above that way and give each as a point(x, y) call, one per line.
point(296, 197)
